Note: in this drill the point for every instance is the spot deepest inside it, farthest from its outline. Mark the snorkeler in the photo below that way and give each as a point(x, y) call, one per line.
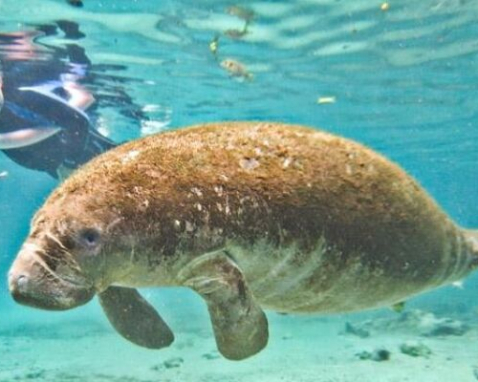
point(43, 131)
point(43, 121)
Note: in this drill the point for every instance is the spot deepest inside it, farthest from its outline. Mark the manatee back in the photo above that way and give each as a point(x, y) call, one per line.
point(199, 188)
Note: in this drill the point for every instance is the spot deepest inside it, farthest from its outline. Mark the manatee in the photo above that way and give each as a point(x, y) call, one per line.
point(251, 216)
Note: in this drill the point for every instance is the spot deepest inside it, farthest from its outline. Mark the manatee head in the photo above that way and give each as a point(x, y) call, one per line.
point(61, 265)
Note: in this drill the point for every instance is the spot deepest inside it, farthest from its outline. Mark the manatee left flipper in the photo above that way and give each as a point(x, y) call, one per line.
point(239, 324)
point(134, 318)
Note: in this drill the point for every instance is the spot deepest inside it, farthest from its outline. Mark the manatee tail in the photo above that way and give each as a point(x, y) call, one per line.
point(471, 238)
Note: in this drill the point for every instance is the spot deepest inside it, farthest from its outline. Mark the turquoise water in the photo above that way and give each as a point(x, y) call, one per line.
point(403, 81)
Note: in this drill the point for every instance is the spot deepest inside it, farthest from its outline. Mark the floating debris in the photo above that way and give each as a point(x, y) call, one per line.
point(243, 13)
point(385, 7)
point(415, 349)
point(3, 174)
point(236, 69)
point(214, 46)
point(326, 100)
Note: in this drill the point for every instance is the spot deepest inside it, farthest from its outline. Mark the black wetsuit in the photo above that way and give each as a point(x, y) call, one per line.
point(74, 145)
point(78, 141)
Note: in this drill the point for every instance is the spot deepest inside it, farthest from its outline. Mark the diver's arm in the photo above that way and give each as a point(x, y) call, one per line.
point(26, 136)
point(79, 96)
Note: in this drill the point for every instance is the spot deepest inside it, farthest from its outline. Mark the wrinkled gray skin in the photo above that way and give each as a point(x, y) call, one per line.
point(248, 215)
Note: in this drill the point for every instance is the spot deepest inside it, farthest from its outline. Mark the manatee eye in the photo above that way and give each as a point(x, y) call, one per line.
point(90, 237)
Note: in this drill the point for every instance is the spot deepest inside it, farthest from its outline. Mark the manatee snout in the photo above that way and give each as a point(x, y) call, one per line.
point(32, 282)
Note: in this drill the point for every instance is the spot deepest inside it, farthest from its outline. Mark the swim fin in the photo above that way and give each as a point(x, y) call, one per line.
point(26, 137)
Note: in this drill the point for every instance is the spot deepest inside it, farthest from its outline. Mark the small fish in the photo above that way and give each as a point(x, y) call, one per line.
point(236, 69)
point(241, 12)
point(3, 174)
point(398, 307)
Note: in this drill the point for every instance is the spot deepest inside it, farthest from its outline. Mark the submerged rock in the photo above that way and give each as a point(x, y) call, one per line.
point(35, 374)
point(356, 331)
point(170, 363)
point(415, 349)
point(211, 355)
point(475, 372)
point(437, 327)
point(173, 362)
point(378, 355)
point(417, 322)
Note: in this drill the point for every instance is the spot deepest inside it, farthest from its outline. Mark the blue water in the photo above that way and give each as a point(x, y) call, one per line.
point(404, 81)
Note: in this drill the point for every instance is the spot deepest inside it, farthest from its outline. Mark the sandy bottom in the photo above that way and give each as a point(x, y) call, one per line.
point(301, 349)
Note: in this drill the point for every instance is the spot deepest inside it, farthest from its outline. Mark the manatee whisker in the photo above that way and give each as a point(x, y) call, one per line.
point(68, 259)
point(55, 239)
point(39, 254)
point(45, 253)
point(51, 272)
point(44, 265)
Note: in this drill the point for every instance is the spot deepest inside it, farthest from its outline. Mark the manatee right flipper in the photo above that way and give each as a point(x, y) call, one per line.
point(239, 324)
point(134, 318)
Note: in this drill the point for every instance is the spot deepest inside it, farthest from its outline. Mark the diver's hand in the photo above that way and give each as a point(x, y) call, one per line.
point(79, 96)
